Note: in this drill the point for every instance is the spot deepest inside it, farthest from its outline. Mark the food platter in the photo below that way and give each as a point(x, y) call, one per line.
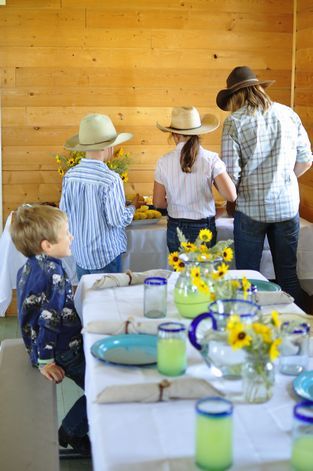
point(145, 222)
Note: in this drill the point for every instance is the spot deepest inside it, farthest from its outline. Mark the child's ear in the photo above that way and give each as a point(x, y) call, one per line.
point(45, 246)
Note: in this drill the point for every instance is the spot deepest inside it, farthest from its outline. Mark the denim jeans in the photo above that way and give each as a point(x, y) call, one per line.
point(73, 363)
point(189, 229)
point(283, 238)
point(113, 267)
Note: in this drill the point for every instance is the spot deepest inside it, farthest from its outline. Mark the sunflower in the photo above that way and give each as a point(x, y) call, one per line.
point(188, 247)
point(275, 319)
point(58, 159)
point(274, 350)
point(71, 162)
point(179, 266)
point(233, 321)
point(60, 171)
point(124, 177)
point(220, 271)
point(228, 254)
point(201, 285)
point(173, 258)
point(205, 235)
point(246, 285)
point(263, 330)
point(195, 272)
point(203, 248)
point(238, 337)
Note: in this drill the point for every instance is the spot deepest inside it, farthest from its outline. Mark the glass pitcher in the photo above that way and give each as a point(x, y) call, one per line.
point(208, 334)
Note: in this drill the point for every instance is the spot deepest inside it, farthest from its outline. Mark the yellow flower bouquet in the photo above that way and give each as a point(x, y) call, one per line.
point(202, 273)
point(207, 266)
point(261, 341)
point(119, 162)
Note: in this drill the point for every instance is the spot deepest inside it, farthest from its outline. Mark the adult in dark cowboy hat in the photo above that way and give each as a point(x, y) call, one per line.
point(265, 148)
point(184, 177)
point(94, 200)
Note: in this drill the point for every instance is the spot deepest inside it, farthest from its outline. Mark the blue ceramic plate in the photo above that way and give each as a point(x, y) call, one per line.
point(132, 349)
point(303, 385)
point(263, 285)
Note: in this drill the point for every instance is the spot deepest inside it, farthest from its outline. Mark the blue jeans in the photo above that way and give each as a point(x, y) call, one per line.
point(190, 229)
point(113, 267)
point(283, 238)
point(75, 422)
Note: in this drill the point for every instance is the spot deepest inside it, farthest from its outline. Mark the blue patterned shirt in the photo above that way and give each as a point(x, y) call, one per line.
point(260, 151)
point(94, 200)
point(46, 312)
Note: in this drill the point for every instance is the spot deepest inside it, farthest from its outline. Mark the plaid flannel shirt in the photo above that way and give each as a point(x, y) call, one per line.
point(260, 151)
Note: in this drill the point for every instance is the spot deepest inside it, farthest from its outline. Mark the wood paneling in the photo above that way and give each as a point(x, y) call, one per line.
point(303, 92)
point(133, 60)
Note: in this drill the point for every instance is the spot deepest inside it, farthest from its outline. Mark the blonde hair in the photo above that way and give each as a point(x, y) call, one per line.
point(254, 97)
point(31, 224)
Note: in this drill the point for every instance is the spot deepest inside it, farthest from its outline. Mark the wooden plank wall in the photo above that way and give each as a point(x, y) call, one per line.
point(304, 92)
point(131, 59)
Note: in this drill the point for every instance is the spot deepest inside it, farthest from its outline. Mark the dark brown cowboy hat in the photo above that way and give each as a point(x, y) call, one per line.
point(240, 77)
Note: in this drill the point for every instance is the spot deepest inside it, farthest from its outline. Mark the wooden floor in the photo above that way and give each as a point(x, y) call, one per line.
point(67, 393)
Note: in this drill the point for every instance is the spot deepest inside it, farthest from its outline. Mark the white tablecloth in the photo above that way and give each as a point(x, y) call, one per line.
point(160, 436)
point(146, 249)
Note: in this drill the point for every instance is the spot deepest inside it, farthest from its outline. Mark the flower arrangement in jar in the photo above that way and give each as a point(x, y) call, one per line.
point(261, 341)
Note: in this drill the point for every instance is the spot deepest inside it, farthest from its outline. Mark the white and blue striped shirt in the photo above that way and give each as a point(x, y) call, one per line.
point(94, 200)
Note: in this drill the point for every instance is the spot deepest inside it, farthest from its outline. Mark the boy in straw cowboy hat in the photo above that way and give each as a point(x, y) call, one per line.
point(94, 200)
point(184, 177)
point(265, 149)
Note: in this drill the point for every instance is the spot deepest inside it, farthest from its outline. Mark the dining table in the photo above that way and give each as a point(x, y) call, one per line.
point(160, 436)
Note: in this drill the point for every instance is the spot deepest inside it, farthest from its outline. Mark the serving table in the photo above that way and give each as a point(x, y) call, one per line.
point(160, 436)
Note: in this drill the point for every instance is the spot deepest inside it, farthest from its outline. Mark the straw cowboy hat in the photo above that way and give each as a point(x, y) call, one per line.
point(240, 77)
point(96, 132)
point(186, 120)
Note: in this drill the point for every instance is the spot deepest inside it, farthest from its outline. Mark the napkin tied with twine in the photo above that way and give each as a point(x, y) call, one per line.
point(129, 278)
point(129, 326)
point(164, 390)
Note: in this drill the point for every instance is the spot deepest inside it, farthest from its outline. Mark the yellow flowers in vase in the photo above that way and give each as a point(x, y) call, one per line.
point(261, 341)
point(201, 269)
point(119, 162)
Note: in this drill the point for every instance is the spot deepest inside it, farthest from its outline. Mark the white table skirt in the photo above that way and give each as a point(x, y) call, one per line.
point(160, 436)
point(146, 249)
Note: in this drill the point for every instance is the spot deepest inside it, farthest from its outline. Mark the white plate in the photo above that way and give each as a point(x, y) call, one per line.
point(145, 222)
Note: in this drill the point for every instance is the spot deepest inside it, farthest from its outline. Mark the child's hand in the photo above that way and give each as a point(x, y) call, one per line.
point(53, 372)
point(138, 201)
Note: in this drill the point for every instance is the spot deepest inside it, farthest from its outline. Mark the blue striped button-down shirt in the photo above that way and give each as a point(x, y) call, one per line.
point(94, 200)
point(260, 151)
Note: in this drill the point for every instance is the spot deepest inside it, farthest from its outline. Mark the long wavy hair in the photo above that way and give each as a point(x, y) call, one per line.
point(254, 97)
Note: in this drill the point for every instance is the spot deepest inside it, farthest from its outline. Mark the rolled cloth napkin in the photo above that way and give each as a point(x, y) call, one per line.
point(130, 326)
point(117, 280)
point(273, 297)
point(183, 388)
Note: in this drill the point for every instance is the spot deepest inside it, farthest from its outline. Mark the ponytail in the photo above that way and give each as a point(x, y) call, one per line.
point(189, 154)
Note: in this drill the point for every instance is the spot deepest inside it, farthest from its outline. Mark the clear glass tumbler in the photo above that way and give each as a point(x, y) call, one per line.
point(294, 349)
point(302, 437)
point(155, 297)
point(214, 434)
point(172, 349)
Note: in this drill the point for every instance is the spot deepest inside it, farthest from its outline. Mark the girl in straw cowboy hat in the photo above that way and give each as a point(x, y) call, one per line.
point(265, 148)
point(94, 200)
point(184, 177)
